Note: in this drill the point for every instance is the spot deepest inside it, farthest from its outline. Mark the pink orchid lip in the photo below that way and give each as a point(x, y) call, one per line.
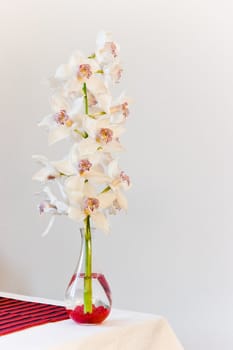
point(91, 99)
point(125, 109)
point(91, 204)
point(118, 73)
point(105, 135)
point(84, 71)
point(111, 46)
point(84, 165)
point(61, 117)
point(124, 177)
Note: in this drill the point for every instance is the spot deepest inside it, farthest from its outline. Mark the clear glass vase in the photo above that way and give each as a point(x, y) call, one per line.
point(88, 296)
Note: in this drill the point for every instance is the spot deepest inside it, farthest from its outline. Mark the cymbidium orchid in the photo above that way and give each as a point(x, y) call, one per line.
point(120, 110)
point(86, 166)
point(107, 50)
point(90, 182)
point(85, 201)
point(47, 172)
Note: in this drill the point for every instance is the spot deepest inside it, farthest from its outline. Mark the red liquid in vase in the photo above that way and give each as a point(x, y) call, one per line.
point(99, 313)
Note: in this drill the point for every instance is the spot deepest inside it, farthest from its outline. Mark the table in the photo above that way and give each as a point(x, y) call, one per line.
point(123, 330)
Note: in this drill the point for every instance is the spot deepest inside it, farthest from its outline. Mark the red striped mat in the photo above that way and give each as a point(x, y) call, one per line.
point(16, 315)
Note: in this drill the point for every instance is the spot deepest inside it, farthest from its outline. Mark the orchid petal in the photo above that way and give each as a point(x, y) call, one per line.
point(113, 169)
point(49, 195)
point(122, 201)
point(42, 174)
point(48, 120)
point(114, 146)
point(118, 130)
point(48, 228)
point(64, 167)
point(106, 199)
point(89, 190)
point(58, 102)
point(101, 93)
point(100, 221)
point(63, 72)
point(58, 134)
point(102, 38)
point(40, 159)
point(91, 125)
point(104, 102)
point(97, 86)
point(61, 189)
point(61, 207)
point(74, 183)
point(87, 147)
point(75, 214)
point(76, 107)
point(75, 197)
point(76, 59)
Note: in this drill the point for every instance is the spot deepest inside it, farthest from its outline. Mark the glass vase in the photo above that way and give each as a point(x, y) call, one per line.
point(88, 296)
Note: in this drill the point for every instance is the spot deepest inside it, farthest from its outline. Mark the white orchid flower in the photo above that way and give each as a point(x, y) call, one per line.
point(103, 137)
point(113, 73)
point(51, 170)
point(55, 206)
point(64, 122)
point(85, 201)
point(47, 172)
point(107, 49)
point(119, 177)
point(86, 166)
point(119, 112)
point(78, 66)
point(119, 182)
point(51, 205)
point(93, 127)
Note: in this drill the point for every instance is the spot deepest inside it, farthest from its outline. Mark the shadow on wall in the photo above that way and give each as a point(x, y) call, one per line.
point(12, 280)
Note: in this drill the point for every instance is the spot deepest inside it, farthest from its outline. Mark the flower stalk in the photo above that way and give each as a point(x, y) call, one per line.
point(88, 244)
point(106, 189)
point(88, 267)
point(85, 111)
point(85, 97)
point(83, 134)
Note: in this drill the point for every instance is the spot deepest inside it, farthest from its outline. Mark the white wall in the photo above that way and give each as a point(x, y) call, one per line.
point(172, 253)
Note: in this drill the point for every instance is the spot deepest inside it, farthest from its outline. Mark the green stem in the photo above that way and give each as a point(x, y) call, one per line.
point(84, 134)
point(96, 114)
point(92, 56)
point(85, 97)
point(106, 189)
point(88, 267)
point(100, 71)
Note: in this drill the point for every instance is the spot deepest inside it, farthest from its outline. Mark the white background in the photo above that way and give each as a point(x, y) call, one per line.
point(172, 253)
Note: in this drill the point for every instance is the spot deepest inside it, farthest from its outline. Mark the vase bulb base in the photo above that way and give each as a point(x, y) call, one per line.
point(98, 315)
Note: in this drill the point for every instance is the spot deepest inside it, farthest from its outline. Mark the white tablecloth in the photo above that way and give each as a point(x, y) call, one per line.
point(123, 330)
